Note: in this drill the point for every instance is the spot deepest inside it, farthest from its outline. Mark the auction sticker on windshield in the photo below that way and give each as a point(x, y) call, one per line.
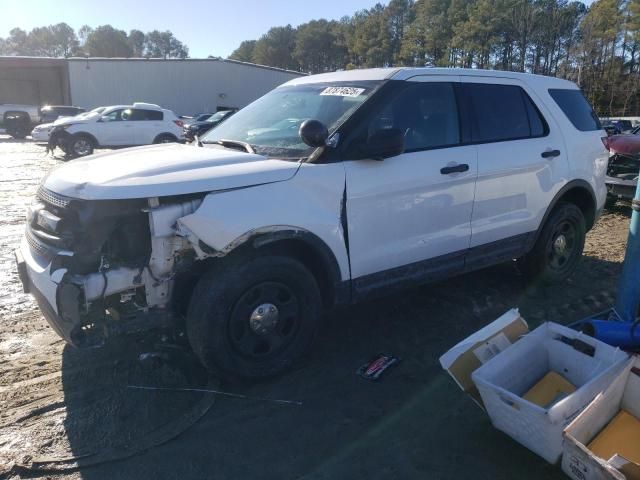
point(342, 91)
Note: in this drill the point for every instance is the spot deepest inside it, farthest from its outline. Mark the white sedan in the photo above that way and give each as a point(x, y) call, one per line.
point(41, 132)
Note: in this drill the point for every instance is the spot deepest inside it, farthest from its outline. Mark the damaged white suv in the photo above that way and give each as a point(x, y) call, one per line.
point(329, 189)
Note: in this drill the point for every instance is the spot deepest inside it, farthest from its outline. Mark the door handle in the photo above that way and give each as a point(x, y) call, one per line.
point(461, 167)
point(550, 154)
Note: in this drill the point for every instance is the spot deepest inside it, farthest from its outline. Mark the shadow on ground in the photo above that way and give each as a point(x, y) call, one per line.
point(413, 423)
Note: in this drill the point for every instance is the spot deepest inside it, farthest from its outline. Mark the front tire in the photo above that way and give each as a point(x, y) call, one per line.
point(80, 146)
point(253, 318)
point(559, 247)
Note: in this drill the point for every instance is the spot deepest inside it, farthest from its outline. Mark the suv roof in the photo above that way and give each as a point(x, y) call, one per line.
point(405, 73)
point(148, 106)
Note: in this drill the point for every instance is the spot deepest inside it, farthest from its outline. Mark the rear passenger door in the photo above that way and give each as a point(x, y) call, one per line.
point(522, 163)
point(147, 125)
point(409, 216)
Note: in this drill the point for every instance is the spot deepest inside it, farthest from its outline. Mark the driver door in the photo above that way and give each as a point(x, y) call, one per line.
point(409, 216)
point(115, 129)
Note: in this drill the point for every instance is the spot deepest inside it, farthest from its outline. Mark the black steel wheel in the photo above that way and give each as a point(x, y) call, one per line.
point(255, 317)
point(265, 318)
point(559, 246)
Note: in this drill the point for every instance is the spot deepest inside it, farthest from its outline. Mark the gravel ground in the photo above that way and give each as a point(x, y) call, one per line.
point(67, 413)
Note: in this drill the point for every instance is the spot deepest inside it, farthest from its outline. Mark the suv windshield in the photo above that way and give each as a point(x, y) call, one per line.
point(270, 124)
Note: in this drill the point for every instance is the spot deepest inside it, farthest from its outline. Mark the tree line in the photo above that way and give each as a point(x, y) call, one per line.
point(597, 47)
point(104, 41)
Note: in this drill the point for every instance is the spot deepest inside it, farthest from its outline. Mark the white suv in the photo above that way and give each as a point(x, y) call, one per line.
point(329, 189)
point(116, 126)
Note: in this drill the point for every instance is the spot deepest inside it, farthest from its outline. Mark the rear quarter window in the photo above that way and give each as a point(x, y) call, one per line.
point(139, 114)
point(576, 108)
point(502, 112)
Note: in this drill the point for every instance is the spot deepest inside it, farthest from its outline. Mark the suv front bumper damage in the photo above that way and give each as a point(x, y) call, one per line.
point(38, 280)
point(87, 301)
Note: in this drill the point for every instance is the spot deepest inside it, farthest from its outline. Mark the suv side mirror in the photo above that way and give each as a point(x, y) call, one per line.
point(385, 143)
point(314, 133)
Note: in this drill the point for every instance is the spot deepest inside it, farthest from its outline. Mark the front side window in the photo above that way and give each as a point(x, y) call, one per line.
point(271, 123)
point(426, 113)
point(502, 112)
point(113, 116)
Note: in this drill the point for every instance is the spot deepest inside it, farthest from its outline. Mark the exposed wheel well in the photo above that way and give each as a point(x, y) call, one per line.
point(310, 258)
point(324, 268)
point(583, 199)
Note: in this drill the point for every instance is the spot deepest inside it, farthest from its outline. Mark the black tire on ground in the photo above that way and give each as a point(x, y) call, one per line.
point(80, 145)
point(559, 247)
point(165, 138)
point(252, 318)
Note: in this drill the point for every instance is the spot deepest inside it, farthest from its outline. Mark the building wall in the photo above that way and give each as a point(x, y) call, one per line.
point(33, 81)
point(184, 86)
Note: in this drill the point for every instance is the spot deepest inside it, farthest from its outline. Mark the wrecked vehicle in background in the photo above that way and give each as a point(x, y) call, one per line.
point(330, 189)
point(624, 165)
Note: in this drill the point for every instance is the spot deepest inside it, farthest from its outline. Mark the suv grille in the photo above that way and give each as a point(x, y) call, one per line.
point(38, 246)
point(52, 198)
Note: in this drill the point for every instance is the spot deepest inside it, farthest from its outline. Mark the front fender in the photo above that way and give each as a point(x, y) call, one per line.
point(310, 202)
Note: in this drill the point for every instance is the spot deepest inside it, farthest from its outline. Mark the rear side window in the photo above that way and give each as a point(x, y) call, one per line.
point(576, 108)
point(139, 114)
point(502, 112)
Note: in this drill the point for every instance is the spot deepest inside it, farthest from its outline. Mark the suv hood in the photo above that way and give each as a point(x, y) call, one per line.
point(162, 170)
point(84, 117)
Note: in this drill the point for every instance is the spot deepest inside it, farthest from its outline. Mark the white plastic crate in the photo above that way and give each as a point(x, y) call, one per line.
point(505, 378)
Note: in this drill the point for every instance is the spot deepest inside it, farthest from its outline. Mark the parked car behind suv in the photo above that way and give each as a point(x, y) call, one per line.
point(40, 133)
point(330, 189)
point(197, 129)
point(50, 113)
point(116, 126)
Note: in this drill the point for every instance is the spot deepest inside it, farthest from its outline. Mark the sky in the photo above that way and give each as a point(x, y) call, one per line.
point(207, 27)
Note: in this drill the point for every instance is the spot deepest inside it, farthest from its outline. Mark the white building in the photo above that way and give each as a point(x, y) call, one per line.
point(185, 86)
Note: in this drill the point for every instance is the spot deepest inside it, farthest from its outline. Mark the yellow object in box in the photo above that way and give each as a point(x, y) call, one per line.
point(552, 388)
point(621, 436)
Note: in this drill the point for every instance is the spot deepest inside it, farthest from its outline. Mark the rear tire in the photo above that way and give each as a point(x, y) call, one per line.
point(254, 317)
point(165, 138)
point(558, 250)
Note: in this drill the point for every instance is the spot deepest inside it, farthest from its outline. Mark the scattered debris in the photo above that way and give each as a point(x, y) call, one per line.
point(374, 368)
point(218, 392)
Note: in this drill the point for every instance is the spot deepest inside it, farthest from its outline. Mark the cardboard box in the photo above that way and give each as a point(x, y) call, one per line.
point(465, 357)
point(603, 442)
point(502, 362)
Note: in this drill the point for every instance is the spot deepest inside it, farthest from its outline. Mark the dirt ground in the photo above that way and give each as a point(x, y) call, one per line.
point(68, 413)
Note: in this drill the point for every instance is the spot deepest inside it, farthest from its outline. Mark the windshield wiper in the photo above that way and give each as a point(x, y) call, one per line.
point(234, 144)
